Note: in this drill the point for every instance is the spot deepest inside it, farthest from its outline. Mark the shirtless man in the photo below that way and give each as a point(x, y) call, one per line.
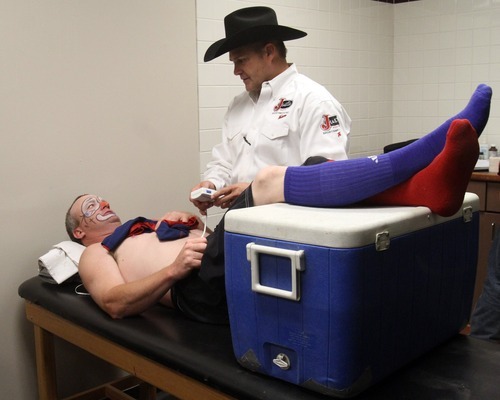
point(114, 280)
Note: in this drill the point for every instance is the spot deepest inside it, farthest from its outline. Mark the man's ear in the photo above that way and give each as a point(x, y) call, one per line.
point(78, 233)
point(269, 49)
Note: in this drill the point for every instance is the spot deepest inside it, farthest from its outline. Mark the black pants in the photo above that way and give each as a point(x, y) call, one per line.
point(202, 295)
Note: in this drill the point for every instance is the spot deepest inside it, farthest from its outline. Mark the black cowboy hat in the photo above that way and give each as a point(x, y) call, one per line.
point(250, 25)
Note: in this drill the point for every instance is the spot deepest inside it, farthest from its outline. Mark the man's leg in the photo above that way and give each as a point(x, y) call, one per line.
point(349, 181)
point(340, 183)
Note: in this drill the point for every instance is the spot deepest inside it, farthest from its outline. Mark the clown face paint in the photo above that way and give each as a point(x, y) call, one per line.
point(92, 204)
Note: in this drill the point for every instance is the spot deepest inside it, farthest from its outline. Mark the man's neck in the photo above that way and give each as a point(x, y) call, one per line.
point(278, 70)
point(99, 237)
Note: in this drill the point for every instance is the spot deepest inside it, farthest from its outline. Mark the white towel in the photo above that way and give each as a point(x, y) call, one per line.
point(61, 262)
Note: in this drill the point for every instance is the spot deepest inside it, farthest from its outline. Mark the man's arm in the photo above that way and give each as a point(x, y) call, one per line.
point(103, 280)
point(325, 128)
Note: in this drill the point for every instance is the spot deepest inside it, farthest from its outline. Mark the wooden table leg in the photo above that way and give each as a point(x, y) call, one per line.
point(45, 364)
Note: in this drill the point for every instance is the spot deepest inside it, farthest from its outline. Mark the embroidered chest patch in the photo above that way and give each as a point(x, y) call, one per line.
point(281, 108)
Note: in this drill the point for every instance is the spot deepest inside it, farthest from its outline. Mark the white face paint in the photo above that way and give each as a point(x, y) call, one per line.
point(92, 205)
point(105, 217)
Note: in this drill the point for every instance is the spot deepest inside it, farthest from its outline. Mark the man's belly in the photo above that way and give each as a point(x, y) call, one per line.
point(143, 255)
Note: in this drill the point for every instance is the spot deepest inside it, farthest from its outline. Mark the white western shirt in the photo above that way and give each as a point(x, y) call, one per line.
point(293, 118)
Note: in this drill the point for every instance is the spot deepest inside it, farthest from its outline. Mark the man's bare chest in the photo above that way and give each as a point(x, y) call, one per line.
point(141, 255)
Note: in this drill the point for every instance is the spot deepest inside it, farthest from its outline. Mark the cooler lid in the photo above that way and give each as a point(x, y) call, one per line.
point(347, 227)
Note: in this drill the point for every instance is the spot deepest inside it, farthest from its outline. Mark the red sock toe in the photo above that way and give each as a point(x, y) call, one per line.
point(442, 184)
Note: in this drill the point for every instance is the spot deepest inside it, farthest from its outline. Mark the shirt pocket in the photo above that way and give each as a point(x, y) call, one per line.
point(237, 144)
point(274, 144)
point(275, 131)
point(233, 133)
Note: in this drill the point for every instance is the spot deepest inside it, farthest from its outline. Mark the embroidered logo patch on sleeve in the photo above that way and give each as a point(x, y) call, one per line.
point(329, 124)
point(329, 121)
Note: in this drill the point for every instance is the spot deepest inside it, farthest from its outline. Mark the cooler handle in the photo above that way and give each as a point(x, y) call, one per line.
point(296, 264)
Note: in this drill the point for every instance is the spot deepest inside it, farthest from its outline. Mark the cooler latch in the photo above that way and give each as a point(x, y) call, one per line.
point(467, 214)
point(382, 241)
point(296, 265)
point(282, 361)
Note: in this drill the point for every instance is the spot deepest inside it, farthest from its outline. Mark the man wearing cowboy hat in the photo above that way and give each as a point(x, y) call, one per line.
point(283, 117)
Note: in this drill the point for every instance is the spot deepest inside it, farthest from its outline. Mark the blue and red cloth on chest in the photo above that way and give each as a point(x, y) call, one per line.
point(167, 230)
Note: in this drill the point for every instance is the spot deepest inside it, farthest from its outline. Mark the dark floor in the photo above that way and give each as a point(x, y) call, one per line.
point(160, 395)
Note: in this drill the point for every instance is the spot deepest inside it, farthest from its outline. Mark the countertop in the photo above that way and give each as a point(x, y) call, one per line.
point(485, 176)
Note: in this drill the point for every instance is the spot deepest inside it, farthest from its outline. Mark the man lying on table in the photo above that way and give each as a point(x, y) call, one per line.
point(127, 275)
point(143, 262)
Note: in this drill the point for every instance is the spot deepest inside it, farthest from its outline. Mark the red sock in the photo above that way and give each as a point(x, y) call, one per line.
point(442, 184)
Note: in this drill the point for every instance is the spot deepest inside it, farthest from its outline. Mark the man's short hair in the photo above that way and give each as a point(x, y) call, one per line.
point(71, 222)
point(280, 46)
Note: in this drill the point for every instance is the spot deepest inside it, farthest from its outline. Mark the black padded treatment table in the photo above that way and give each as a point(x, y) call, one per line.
point(190, 360)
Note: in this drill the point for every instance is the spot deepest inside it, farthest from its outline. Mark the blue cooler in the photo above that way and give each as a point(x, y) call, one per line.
point(335, 300)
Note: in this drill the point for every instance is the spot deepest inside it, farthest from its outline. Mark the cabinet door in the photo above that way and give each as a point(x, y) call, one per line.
point(493, 197)
point(489, 223)
point(478, 188)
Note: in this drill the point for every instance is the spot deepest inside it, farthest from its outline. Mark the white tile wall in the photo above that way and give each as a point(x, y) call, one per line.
point(442, 50)
point(349, 49)
point(399, 70)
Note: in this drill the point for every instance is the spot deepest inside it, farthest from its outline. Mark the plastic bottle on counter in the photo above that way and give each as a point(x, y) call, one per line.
point(492, 151)
point(483, 151)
